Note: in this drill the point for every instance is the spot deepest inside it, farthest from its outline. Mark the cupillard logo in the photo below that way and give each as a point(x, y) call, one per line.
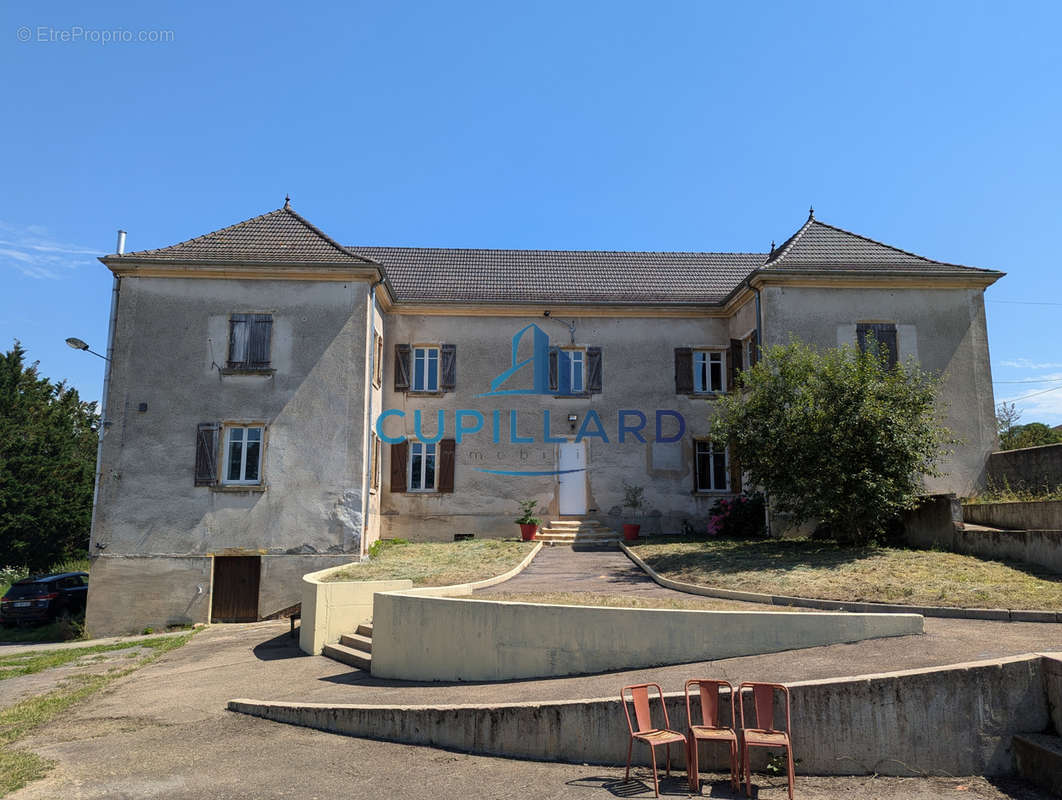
point(513, 426)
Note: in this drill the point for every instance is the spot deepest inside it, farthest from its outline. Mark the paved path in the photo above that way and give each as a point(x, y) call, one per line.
point(163, 732)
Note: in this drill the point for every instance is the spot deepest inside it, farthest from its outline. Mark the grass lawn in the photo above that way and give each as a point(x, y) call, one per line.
point(36, 660)
point(681, 602)
point(437, 563)
point(19, 767)
point(804, 568)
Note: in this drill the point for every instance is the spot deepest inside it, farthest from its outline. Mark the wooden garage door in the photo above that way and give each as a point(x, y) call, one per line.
point(236, 588)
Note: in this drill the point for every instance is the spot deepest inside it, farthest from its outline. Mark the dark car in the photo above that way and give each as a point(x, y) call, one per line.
point(44, 598)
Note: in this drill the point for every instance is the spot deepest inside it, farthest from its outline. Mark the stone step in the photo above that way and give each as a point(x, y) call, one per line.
point(1038, 758)
point(364, 629)
point(575, 523)
point(349, 656)
point(357, 642)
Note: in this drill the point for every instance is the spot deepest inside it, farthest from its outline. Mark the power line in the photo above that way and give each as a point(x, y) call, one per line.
point(1034, 380)
point(1033, 394)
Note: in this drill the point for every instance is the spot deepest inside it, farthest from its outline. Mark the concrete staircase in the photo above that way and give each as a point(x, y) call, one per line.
point(354, 649)
point(577, 533)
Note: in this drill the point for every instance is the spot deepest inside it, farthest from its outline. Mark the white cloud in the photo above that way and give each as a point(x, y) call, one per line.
point(1038, 402)
point(33, 252)
point(1025, 363)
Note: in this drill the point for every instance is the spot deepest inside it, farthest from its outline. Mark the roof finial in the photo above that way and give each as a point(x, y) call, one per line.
point(772, 247)
point(811, 212)
point(287, 201)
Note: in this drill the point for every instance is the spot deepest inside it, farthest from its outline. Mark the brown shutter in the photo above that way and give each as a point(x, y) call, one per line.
point(206, 454)
point(734, 367)
point(735, 469)
point(553, 355)
point(399, 457)
point(887, 338)
point(402, 368)
point(863, 331)
point(683, 370)
point(445, 482)
point(258, 347)
point(593, 370)
point(754, 349)
point(448, 373)
point(696, 465)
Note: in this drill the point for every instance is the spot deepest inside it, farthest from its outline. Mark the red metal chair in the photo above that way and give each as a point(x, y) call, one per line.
point(764, 734)
point(710, 729)
point(645, 731)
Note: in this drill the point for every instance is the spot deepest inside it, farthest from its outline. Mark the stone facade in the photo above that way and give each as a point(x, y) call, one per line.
point(326, 487)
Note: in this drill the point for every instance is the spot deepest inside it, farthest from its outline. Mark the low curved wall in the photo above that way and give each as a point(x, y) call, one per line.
point(445, 639)
point(954, 720)
point(330, 609)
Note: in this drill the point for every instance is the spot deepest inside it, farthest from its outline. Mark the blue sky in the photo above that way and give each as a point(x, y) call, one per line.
point(613, 125)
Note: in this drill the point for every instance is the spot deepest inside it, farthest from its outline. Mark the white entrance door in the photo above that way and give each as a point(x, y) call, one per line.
point(572, 495)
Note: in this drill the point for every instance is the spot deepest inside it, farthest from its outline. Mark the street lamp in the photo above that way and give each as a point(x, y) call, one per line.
point(77, 344)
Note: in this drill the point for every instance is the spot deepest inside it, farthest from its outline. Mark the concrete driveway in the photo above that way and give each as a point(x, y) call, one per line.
point(164, 732)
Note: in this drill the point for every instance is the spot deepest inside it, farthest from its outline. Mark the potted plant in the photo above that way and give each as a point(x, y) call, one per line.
point(632, 499)
point(528, 522)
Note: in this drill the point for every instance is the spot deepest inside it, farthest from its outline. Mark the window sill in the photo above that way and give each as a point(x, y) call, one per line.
point(710, 492)
point(422, 393)
point(423, 491)
point(705, 395)
point(247, 371)
point(238, 488)
point(579, 396)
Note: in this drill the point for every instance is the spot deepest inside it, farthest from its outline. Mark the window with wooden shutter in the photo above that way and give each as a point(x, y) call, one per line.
point(593, 370)
point(448, 368)
point(206, 454)
point(735, 470)
point(399, 457)
point(447, 461)
point(879, 337)
point(734, 365)
point(250, 337)
point(554, 369)
point(710, 472)
point(754, 348)
point(683, 370)
point(402, 369)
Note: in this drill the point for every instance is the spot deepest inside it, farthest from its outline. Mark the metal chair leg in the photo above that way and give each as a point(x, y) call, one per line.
point(656, 780)
point(630, 747)
point(792, 771)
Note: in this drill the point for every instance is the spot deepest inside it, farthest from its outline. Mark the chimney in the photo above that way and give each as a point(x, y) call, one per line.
point(121, 243)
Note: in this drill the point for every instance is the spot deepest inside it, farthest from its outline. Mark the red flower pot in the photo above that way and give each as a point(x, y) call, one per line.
point(630, 532)
point(527, 532)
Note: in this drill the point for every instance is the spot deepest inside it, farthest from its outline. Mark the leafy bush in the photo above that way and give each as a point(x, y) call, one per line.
point(528, 509)
point(741, 517)
point(380, 545)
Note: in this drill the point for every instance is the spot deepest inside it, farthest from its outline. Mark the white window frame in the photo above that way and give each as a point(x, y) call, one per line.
point(427, 351)
point(242, 481)
point(576, 367)
point(712, 452)
point(426, 451)
point(377, 364)
point(707, 357)
point(374, 463)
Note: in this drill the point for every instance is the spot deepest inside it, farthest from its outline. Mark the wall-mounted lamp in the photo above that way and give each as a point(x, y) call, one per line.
point(77, 344)
point(572, 419)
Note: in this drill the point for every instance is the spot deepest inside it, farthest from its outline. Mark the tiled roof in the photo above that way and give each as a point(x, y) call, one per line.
point(588, 276)
point(280, 236)
point(818, 246)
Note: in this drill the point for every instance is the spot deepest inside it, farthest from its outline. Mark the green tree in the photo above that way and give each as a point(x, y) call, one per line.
point(47, 466)
point(835, 435)
point(1031, 434)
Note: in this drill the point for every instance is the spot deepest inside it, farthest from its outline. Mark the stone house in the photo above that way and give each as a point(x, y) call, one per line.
point(278, 401)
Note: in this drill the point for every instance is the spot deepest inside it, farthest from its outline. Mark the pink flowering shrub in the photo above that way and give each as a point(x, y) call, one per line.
point(740, 517)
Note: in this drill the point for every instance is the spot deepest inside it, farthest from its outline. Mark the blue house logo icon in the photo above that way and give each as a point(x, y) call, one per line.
point(538, 362)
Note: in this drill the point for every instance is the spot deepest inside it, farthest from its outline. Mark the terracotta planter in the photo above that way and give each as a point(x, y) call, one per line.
point(630, 532)
point(527, 532)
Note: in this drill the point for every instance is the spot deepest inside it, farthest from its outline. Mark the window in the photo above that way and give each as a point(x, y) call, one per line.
point(879, 337)
point(243, 455)
point(709, 371)
point(573, 371)
point(377, 364)
point(421, 467)
point(711, 467)
point(249, 340)
point(374, 462)
point(425, 369)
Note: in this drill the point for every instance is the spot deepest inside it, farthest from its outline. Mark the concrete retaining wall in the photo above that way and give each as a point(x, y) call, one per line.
point(1043, 515)
point(332, 608)
point(1032, 468)
point(954, 720)
point(444, 639)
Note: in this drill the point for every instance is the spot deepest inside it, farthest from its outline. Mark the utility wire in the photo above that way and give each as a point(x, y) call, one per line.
point(1024, 302)
point(1033, 394)
point(1034, 380)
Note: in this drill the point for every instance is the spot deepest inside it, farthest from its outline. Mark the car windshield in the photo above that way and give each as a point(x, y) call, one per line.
point(20, 590)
